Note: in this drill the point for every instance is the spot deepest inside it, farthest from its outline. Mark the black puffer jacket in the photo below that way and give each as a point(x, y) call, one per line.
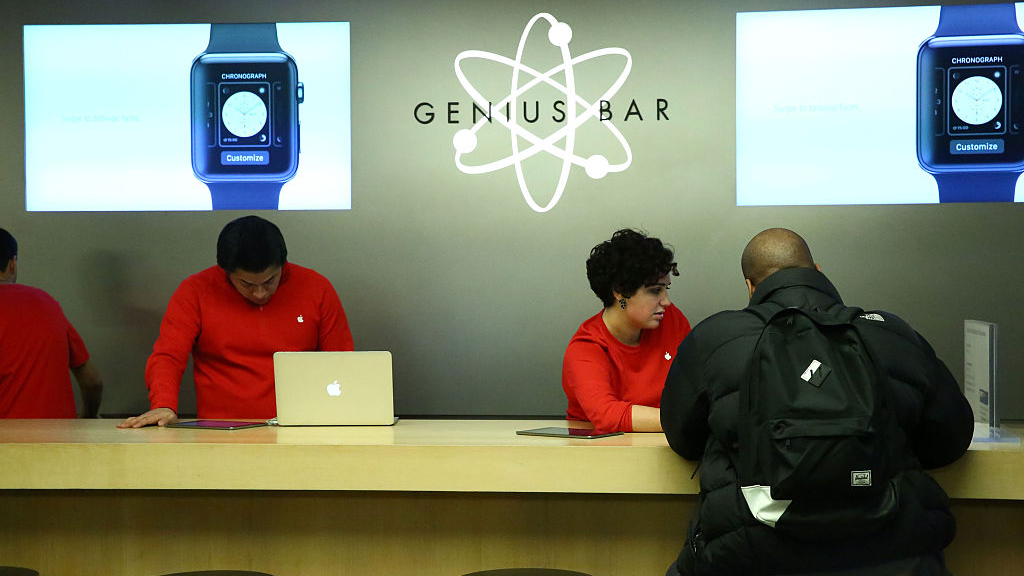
point(699, 411)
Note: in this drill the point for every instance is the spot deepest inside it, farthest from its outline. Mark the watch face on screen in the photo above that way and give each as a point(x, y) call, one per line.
point(245, 117)
point(970, 110)
point(977, 99)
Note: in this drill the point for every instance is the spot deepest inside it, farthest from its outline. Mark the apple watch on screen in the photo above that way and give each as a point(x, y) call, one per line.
point(970, 103)
point(245, 116)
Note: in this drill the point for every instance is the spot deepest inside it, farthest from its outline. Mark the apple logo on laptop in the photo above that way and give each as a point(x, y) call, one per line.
point(334, 389)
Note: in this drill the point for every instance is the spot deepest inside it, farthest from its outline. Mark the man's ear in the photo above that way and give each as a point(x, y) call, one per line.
point(750, 287)
point(817, 267)
point(11, 268)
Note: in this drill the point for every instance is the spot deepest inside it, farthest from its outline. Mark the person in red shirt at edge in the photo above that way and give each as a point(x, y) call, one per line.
point(615, 365)
point(232, 318)
point(37, 347)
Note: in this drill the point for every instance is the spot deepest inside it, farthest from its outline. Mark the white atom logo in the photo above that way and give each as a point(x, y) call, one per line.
point(578, 112)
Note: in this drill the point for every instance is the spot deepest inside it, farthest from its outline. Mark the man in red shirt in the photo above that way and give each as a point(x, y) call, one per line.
point(232, 318)
point(37, 346)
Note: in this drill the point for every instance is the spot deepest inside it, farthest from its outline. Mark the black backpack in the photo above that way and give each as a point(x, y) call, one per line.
point(814, 426)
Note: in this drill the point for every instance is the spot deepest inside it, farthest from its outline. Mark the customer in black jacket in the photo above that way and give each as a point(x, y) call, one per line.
point(698, 412)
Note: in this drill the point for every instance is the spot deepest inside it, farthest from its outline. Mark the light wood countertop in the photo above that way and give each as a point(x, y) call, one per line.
point(413, 455)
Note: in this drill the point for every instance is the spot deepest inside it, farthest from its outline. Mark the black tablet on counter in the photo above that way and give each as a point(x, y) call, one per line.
point(216, 424)
point(567, 432)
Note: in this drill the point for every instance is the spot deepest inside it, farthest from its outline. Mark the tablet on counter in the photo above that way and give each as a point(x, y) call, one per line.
point(567, 432)
point(215, 424)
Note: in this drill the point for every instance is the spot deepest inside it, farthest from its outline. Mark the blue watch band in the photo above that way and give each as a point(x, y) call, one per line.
point(243, 38)
point(977, 20)
point(245, 195)
point(977, 186)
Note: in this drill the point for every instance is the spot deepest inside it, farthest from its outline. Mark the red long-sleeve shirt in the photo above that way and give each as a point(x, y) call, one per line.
point(233, 341)
point(603, 378)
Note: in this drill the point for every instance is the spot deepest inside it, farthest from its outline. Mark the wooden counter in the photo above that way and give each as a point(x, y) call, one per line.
point(413, 455)
point(430, 497)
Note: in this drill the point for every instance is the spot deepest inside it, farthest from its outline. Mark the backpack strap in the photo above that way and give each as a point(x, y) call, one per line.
point(848, 314)
point(768, 310)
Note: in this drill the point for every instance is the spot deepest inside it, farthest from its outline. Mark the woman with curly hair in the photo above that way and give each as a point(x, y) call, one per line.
point(615, 365)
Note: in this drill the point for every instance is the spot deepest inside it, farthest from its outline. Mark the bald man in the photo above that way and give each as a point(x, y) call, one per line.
point(699, 408)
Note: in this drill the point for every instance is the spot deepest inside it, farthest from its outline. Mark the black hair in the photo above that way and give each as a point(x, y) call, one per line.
point(626, 263)
point(8, 248)
point(252, 244)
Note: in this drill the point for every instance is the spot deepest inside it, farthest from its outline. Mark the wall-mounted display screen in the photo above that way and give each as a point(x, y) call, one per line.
point(880, 105)
point(187, 117)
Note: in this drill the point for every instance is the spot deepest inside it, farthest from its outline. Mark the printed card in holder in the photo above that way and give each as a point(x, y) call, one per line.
point(981, 371)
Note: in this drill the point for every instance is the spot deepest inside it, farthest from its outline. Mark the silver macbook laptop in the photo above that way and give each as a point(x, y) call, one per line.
point(333, 388)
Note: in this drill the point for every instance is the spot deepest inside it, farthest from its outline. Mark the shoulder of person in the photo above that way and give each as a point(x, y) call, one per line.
point(728, 320)
point(205, 275)
point(887, 321)
point(203, 281)
point(723, 327)
point(35, 299)
point(591, 331)
point(27, 291)
point(307, 274)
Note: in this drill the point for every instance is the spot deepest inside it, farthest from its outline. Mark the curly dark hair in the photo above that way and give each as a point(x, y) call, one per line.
point(627, 263)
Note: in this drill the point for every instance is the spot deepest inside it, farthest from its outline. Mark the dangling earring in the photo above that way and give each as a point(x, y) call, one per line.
point(622, 303)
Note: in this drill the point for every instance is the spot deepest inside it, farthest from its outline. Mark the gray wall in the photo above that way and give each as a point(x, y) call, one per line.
point(475, 294)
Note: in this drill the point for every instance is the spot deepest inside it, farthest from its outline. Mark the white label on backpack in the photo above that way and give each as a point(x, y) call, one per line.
point(809, 372)
point(860, 478)
point(762, 506)
point(873, 316)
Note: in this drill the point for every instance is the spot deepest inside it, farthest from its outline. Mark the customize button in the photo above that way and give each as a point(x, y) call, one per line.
point(990, 146)
point(245, 158)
